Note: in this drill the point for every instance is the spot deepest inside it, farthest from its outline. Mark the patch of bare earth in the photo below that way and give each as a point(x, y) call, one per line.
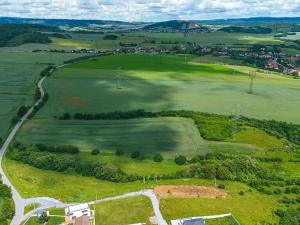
point(193, 191)
point(75, 101)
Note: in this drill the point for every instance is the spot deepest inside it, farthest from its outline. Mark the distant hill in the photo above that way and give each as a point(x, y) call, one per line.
point(250, 21)
point(93, 24)
point(17, 34)
point(251, 30)
point(176, 25)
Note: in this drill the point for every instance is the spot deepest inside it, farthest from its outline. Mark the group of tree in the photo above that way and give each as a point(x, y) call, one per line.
point(20, 113)
point(56, 159)
point(110, 37)
point(288, 217)
point(244, 29)
point(17, 34)
point(60, 148)
point(7, 209)
point(47, 71)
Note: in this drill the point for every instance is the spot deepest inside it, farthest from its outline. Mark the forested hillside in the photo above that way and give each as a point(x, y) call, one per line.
point(16, 34)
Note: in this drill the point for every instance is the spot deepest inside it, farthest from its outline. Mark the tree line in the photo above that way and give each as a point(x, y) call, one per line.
point(7, 208)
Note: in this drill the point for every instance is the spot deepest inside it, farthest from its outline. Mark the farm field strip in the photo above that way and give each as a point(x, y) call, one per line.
point(166, 135)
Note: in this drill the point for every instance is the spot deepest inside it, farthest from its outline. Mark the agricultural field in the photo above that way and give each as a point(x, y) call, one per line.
point(19, 71)
point(130, 82)
point(148, 39)
point(168, 136)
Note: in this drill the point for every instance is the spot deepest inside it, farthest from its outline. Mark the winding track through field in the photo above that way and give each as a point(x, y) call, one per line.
point(18, 200)
point(46, 202)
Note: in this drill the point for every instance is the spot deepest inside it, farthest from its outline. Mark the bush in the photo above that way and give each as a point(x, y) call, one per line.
point(66, 116)
point(43, 218)
point(136, 155)
point(158, 158)
point(119, 152)
point(180, 160)
point(221, 186)
point(241, 193)
point(95, 152)
point(110, 37)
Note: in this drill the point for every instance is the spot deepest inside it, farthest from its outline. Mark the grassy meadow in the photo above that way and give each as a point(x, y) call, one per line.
point(117, 212)
point(35, 182)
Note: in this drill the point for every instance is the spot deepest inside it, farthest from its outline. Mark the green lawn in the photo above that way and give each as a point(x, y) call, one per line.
point(168, 136)
point(202, 87)
point(125, 211)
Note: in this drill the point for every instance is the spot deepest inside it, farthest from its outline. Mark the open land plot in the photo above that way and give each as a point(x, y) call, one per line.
point(124, 211)
point(249, 209)
point(35, 182)
point(19, 71)
point(99, 86)
point(168, 136)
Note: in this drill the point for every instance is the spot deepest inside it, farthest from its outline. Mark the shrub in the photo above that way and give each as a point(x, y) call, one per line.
point(158, 158)
point(110, 37)
point(241, 193)
point(180, 160)
point(95, 152)
point(221, 186)
point(136, 155)
point(119, 152)
point(43, 218)
point(66, 116)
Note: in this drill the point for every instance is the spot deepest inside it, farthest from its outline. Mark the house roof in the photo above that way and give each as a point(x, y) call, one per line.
point(74, 208)
point(83, 220)
point(194, 222)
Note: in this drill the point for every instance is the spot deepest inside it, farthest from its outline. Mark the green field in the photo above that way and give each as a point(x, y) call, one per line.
point(34, 182)
point(19, 71)
point(166, 135)
point(117, 212)
point(261, 206)
point(142, 39)
point(205, 87)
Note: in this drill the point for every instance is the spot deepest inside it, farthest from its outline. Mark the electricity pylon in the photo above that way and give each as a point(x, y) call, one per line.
point(235, 118)
point(252, 76)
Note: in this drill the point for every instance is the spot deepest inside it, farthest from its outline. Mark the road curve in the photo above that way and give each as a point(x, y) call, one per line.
point(47, 203)
point(18, 200)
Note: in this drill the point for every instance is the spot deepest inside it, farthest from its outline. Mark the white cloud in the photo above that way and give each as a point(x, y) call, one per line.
point(148, 10)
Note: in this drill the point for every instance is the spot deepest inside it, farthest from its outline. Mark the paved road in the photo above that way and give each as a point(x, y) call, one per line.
point(18, 200)
point(47, 203)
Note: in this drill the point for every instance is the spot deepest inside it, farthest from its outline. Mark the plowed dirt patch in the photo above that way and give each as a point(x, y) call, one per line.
point(183, 191)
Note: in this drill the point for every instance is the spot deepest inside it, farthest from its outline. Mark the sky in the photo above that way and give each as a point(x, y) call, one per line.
point(148, 10)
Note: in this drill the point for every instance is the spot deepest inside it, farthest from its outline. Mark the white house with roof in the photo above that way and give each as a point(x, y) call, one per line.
point(75, 211)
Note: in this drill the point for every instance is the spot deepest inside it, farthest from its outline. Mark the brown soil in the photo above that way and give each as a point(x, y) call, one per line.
point(75, 101)
point(182, 191)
